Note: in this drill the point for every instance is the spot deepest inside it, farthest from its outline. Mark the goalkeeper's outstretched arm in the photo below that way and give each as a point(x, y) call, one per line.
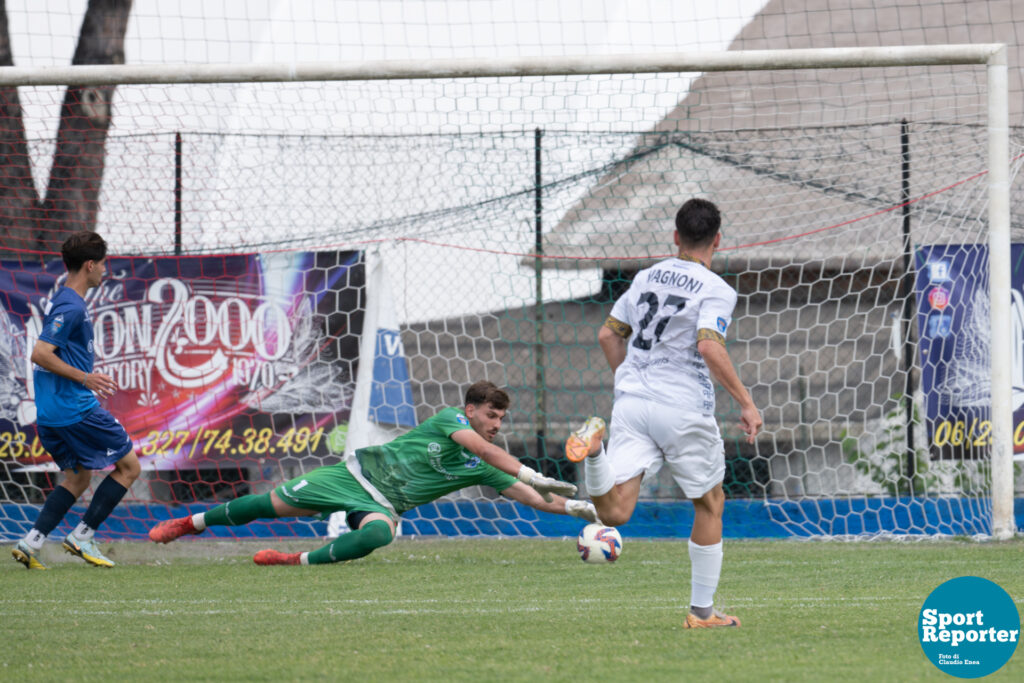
point(497, 457)
point(558, 505)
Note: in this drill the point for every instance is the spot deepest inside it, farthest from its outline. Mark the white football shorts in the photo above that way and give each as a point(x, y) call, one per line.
point(645, 434)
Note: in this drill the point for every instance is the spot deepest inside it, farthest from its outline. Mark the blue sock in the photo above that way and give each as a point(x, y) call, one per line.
point(108, 494)
point(56, 506)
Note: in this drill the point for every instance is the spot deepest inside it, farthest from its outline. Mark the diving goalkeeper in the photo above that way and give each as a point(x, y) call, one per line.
point(450, 451)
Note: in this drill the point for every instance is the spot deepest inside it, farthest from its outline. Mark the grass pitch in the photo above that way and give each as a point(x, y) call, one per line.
point(485, 610)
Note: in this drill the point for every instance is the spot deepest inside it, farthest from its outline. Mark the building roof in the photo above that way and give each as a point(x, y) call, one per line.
point(807, 165)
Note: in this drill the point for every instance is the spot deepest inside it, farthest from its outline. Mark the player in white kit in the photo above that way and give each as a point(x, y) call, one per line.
point(665, 341)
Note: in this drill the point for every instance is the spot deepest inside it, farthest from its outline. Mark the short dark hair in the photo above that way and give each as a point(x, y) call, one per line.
point(697, 222)
point(81, 247)
point(482, 392)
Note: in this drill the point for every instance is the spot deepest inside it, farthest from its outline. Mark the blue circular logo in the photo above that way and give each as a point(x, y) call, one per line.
point(969, 627)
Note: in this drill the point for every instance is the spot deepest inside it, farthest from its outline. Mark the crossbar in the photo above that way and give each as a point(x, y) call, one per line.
point(375, 70)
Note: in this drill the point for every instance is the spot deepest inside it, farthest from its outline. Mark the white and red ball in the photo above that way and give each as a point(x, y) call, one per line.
point(598, 544)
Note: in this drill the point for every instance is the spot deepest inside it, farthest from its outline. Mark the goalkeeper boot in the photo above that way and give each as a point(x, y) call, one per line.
point(28, 557)
point(167, 531)
point(715, 620)
point(586, 440)
point(267, 558)
point(86, 550)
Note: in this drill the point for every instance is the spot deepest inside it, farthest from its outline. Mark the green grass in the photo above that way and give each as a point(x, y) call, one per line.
point(485, 610)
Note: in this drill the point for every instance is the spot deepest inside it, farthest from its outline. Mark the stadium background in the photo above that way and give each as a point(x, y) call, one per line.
point(447, 184)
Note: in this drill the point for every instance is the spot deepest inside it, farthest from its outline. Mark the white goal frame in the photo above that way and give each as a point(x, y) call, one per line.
point(992, 56)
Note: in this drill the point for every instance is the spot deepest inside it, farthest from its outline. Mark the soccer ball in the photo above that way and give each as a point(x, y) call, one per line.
point(598, 544)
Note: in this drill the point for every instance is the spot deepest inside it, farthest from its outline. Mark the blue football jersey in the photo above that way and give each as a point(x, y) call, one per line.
point(66, 325)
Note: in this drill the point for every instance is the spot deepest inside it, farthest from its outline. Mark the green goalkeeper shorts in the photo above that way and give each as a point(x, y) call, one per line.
point(329, 489)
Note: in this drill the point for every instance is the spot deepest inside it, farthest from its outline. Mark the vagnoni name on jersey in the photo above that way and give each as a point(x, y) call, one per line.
point(675, 279)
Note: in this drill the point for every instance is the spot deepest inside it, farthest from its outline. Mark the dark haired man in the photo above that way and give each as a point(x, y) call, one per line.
point(447, 452)
point(78, 433)
point(665, 341)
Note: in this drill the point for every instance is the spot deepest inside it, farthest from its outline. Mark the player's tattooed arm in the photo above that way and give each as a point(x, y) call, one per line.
point(612, 339)
point(710, 335)
point(618, 327)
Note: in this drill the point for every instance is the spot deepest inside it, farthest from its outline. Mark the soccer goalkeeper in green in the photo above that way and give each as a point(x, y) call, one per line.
point(450, 451)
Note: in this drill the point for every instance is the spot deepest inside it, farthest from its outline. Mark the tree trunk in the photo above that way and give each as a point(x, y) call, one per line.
point(71, 202)
point(72, 193)
point(19, 201)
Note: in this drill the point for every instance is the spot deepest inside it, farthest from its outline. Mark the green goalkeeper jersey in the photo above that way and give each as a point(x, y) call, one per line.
point(425, 463)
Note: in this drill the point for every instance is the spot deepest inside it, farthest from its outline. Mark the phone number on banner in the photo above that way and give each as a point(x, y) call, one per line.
point(225, 442)
point(16, 445)
point(973, 434)
point(977, 433)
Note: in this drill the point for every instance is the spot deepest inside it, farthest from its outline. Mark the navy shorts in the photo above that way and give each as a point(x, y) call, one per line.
point(96, 442)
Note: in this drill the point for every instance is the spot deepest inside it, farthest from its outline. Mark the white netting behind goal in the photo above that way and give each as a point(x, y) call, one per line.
point(240, 218)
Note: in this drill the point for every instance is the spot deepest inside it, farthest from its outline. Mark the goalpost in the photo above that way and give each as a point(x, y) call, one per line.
point(510, 200)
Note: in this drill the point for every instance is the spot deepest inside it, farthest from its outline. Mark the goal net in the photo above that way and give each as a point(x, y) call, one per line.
point(310, 258)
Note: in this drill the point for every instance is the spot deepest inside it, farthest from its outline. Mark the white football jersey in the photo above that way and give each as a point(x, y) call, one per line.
point(664, 307)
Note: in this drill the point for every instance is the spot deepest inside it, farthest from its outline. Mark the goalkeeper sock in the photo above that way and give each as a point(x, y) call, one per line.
point(354, 544)
point(705, 569)
point(240, 511)
point(598, 474)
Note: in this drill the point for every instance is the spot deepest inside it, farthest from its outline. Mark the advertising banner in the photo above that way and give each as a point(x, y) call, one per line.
point(218, 359)
point(954, 329)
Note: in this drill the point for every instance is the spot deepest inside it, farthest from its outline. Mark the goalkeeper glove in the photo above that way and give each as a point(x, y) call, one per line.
point(583, 509)
point(545, 486)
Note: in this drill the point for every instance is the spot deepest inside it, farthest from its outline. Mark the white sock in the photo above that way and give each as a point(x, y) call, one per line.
point(304, 558)
point(705, 569)
point(597, 474)
point(83, 533)
point(199, 521)
point(35, 539)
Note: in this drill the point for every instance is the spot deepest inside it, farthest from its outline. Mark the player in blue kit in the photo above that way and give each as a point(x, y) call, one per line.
point(75, 430)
